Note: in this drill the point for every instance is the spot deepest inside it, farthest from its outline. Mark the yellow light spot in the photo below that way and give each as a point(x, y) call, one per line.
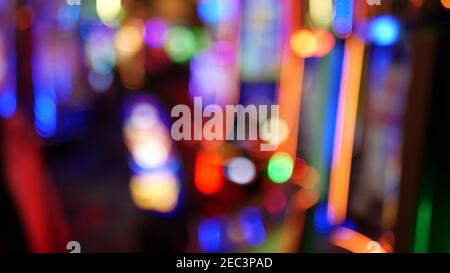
point(304, 43)
point(108, 10)
point(157, 191)
point(321, 12)
point(129, 40)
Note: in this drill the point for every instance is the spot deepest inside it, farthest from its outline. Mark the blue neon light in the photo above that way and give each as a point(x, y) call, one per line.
point(343, 18)
point(209, 235)
point(384, 30)
point(216, 11)
point(252, 226)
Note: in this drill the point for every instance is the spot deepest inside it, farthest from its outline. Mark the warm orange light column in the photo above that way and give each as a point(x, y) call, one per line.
point(291, 82)
point(345, 130)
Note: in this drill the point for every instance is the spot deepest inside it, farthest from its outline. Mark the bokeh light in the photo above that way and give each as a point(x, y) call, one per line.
point(280, 168)
point(88, 91)
point(343, 18)
point(108, 11)
point(240, 170)
point(446, 3)
point(216, 11)
point(321, 12)
point(209, 234)
point(304, 43)
point(325, 43)
point(129, 39)
point(146, 137)
point(156, 31)
point(209, 178)
point(252, 226)
point(384, 30)
point(181, 44)
point(100, 49)
point(156, 191)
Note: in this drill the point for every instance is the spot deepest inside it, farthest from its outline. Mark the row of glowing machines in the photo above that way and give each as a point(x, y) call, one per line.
point(160, 189)
point(108, 44)
point(156, 184)
point(245, 202)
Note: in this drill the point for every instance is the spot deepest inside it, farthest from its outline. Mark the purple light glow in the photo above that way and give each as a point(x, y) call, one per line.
point(155, 33)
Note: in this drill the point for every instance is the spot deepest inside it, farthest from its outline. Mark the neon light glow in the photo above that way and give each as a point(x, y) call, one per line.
point(321, 12)
point(424, 213)
point(129, 39)
point(345, 130)
point(208, 172)
point(155, 34)
point(157, 191)
point(252, 226)
point(108, 11)
point(181, 44)
point(304, 43)
point(355, 242)
point(280, 167)
point(209, 234)
point(8, 75)
point(45, 104)
point(343, 17)
point(146, 137)
point(384, 30)
point(291, 81)
point(155, 184)
point(217, 11)
point(240, 170)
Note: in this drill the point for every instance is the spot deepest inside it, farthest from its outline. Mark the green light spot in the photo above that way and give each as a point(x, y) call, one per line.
point(203, 39)
point(181, 44)
point(423, 226)
point(280, 167)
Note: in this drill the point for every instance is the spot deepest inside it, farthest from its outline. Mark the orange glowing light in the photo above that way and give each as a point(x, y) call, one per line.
point(304, 43)
point(446, 3)
point(325, 43)
point(345, 130)
point(209, 178)
point(132, 72)
point(291, 81)
point(305, 198)
point(307, 44)
point(129, 39)
point(290, 100)
point(355, 242)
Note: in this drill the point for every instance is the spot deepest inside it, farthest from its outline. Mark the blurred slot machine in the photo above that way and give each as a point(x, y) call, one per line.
point(243, 210)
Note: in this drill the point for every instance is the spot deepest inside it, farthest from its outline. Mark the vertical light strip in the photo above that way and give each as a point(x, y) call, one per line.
point(45, 104)
point(423, 225)
point(345, 130)
point(8, 74)
point(291, 81)
point(343, 17)
point(289, 100)
point(230, 32)
point(321, 12)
